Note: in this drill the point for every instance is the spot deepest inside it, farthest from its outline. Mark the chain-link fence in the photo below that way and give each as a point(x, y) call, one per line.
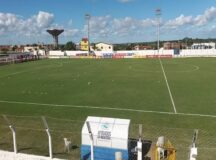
point(32, 137)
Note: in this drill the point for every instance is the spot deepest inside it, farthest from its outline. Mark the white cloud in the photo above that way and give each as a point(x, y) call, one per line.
point(8, 22)
point(180, 21)
point(99, 26)
point(107, 27)
point(208, 16)
point(32, 28)
point(71, 32)
point(128, 27)
point(14, 23)
point(124, 26)
point(44, 19)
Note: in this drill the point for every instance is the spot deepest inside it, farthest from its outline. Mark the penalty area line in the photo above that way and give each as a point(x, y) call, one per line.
point(78, 106)
point(109, 108)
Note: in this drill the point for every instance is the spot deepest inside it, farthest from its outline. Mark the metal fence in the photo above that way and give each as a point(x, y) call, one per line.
point(32, 137)
point(19, 58)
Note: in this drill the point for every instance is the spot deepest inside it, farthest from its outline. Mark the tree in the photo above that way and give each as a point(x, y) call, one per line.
point(60, 47)
point(4, 50)
point(14, 48)
point(129, 47)
point(34, 45)
point(94, 47)
point(70, 46)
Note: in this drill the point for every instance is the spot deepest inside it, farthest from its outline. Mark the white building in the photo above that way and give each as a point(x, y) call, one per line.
point(31, 48)
point(104, 47)
point(34, 50)
point(210, 45)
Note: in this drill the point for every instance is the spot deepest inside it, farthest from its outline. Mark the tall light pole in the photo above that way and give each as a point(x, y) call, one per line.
point(158, 14)
point(88, 17)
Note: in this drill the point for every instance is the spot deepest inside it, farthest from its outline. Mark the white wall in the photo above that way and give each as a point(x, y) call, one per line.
point(5, 155)
point(148, 52)
point(40, 52)
point(100, 53)
point(198, 53)
point(74, 53)
point(62, 53)
point(183, 53)
point(56, 53)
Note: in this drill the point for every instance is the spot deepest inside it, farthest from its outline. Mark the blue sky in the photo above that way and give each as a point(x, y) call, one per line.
point(112, 21)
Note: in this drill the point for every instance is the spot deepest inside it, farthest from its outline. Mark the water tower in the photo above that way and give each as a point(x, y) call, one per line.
point(55, 33)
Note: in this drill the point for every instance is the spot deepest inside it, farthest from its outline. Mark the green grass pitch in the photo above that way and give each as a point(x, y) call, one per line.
point(66, 91)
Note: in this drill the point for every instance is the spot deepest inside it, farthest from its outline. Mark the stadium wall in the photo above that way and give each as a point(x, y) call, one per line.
point(125, 54)
point(5, 155)
point(136, 53)
point(59, 54)
point(198, 53)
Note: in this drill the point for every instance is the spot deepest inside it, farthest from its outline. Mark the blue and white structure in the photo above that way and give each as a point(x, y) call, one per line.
point(110, 135)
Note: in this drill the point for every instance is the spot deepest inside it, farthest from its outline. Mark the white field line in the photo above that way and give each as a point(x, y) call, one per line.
point(12, 74)
point(195, 68)
point(29, 70)
point(77, 106)
point(109, 108)
point(170, 93)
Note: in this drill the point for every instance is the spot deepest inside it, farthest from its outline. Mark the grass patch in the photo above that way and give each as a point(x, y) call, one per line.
point(136, 84)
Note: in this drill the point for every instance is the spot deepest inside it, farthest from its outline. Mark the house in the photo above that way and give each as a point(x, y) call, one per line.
point(31, 48)
point(5, 47)
point(18, 48)
point(84, 44)
point(174, 45)
point(210, 45)
point(142, 47)
point(103, 47)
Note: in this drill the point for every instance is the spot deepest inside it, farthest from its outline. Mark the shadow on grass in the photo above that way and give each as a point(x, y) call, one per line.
point(6, 146)
point(25, 149)
point(74, 147)
point(4, 143)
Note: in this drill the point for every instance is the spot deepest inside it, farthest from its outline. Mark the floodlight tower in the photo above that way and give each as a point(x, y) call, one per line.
point(55, 33)
point(88, 17)
point(158, 15)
